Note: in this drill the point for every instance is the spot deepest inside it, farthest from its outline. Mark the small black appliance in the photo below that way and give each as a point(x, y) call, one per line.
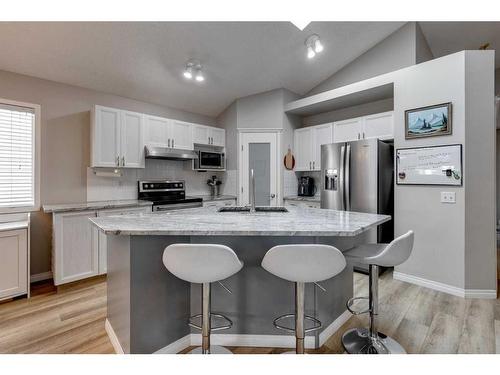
point(306, 187)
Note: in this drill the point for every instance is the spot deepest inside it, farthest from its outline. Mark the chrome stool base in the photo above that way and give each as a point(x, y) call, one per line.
point(358, 341)
point(214, 349)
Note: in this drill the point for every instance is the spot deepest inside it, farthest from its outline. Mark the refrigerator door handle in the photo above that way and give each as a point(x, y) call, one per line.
point(341, 179)
point(347, 187)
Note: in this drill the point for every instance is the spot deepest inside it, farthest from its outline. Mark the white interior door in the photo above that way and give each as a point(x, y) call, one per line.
point(259, 151)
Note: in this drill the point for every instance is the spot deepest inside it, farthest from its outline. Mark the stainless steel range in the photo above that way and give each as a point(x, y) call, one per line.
point(167, 195)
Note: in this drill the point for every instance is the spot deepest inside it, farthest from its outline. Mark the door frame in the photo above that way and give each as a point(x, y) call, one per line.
point(279, 172)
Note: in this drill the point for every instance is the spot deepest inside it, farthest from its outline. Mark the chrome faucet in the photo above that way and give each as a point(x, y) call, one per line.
point(252, 191)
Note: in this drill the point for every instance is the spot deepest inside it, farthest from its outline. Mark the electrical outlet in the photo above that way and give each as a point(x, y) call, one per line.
point(448, 197)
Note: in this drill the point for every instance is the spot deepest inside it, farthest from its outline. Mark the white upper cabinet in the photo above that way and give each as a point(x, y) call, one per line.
point(217, 136)
point(105, 134)
point(117, 138)
point(180, 135)
point(208, 135)
point(380, 125)
point(303, 149)
point(200, 134)
point(322, 135)
point(132, 141)
point(156, 131)
point(307, 146)
point(347, 130)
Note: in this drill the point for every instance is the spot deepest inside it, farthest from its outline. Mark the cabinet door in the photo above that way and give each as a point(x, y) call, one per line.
point(303, 149)
point(181, 135)
point(103, 244)
point(76, 246)
point(322, 135)
point(14, 263)
point(201, 134)
point(156, 131)
point(132, 141)
point(347, 130)
point(380, 125)
point(217, 137)
point(105, 137)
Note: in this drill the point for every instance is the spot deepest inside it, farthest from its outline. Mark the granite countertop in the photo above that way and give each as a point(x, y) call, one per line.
point(94, 205)
point(210, 198)
point(314, 198)
point(208, 221)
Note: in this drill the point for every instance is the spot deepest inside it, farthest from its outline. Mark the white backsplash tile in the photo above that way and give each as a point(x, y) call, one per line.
point(125, 187)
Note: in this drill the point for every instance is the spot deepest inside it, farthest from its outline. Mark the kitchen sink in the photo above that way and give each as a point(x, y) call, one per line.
point(257, 209)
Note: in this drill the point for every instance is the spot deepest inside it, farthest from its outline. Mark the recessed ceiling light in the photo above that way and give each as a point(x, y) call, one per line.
point(199, 76)
point(310, 52)
point(188, 72)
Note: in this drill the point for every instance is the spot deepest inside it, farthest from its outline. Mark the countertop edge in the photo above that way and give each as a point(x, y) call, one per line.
point(105, 205)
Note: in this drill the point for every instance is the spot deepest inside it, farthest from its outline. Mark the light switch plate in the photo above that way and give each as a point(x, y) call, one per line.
point(448, 197)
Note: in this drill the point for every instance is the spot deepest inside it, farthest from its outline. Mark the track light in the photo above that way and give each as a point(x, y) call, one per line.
point(192, 70)
point(310, 52)
point(188, 72)
point(313, 45)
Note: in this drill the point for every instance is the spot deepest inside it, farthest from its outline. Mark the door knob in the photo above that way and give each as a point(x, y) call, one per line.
point(273, 195)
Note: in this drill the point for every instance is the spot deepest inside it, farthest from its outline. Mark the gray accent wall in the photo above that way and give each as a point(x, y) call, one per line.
point(454, 243)
point(65, 144)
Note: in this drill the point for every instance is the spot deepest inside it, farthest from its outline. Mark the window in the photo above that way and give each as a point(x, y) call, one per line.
point(18, 157)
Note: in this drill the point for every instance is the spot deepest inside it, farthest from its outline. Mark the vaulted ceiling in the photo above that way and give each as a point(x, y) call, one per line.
point(145, 60)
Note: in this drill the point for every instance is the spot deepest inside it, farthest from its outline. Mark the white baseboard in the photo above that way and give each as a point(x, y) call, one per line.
point(41, 276)
point(445, 288)
point(334, 327)
point(113, 338)
point(176, 346)
point(266, 341)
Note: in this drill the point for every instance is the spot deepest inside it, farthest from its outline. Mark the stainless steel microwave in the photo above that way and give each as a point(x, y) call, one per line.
point(210, 160)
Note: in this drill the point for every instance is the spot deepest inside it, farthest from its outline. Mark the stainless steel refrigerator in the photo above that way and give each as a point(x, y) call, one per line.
point(358, 176)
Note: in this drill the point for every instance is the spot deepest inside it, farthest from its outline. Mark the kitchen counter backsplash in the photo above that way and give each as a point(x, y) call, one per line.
point(125, 187)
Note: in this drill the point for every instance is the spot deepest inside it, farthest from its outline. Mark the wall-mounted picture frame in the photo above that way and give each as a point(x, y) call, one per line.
point(430, 121)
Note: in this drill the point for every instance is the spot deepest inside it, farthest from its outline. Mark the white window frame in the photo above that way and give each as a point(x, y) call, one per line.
point(36, 155)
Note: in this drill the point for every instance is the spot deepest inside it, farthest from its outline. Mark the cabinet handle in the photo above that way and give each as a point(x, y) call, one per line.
point(123, 161)
point(172, 142)
point(117, 161)
point(313, 164)
point(359, 137)
point(310, 166)
point(168, 142)
point(208, 140)
point(363, 135)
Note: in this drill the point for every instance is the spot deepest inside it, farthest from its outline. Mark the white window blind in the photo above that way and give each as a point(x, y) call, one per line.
point(17, 174)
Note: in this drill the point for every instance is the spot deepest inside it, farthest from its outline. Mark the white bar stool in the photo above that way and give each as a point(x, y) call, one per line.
point(203, 264)
point(302, 264)
point(370, 341)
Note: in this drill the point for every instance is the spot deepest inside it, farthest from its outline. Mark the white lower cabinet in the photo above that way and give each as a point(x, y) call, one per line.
point(13, 263)
point(75, 248)
point(79, 248)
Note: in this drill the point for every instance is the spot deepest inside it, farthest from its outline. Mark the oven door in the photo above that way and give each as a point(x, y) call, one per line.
point(211, 160)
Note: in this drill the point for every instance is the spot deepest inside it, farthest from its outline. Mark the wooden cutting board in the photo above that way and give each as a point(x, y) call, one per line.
point(289, 160)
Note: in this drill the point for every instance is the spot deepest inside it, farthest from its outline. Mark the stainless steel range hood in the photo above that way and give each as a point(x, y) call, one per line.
point(167, 153)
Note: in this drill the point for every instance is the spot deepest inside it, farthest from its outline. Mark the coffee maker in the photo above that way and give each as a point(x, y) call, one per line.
point(306, 187)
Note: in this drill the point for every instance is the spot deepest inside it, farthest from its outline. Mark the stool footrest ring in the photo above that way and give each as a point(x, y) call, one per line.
point(317, 323)
point(351, 301)
point(228, 325)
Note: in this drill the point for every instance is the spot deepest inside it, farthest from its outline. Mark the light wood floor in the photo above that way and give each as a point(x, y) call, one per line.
point(71, 320)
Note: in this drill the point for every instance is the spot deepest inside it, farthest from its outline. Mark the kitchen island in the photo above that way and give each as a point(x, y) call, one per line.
point(148, 307)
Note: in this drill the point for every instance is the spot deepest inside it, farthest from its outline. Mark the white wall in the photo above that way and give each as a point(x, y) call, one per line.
point(445, 234)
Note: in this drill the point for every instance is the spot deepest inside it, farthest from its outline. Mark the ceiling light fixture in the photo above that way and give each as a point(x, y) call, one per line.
point(193, 69)
point(313, 45)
